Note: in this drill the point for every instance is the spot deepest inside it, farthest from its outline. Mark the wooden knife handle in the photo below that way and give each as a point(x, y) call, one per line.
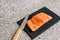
point(17, 34)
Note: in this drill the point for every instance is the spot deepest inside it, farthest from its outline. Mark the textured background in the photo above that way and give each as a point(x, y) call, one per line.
point(13, 10)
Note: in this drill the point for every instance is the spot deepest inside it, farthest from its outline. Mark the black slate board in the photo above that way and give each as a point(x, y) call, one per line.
point(45, 26)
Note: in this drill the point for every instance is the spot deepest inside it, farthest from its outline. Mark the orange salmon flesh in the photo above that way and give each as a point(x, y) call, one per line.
point(38, 21)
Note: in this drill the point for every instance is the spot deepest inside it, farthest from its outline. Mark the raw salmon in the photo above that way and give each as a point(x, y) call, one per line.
point(38, 20)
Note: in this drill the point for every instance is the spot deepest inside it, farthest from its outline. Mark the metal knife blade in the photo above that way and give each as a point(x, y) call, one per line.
point(24, 22)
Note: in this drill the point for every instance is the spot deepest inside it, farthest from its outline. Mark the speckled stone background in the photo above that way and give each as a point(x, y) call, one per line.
point(13, 10)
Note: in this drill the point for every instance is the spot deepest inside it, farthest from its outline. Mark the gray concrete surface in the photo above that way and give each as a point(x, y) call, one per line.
point(13, 10)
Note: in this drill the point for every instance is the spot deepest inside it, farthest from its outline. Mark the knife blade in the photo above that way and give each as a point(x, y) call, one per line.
point(24, 22)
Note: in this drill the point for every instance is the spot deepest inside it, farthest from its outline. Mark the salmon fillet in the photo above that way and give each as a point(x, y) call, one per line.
point(38, 20)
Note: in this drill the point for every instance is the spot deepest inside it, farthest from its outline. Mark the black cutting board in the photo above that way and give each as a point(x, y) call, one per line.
point(45, 26)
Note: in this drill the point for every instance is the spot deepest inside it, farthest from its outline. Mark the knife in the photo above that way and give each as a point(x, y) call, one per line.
point(20, 29)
